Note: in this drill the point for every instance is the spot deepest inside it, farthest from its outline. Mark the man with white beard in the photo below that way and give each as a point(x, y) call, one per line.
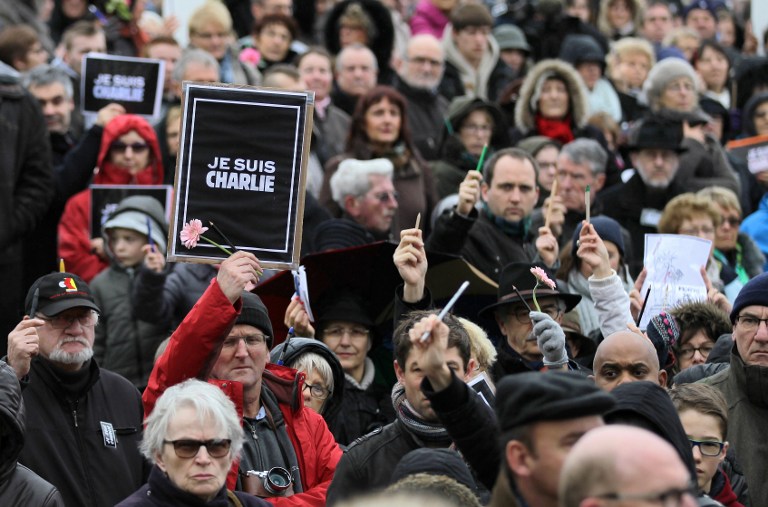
point(419, 75)
point(637, 204)
point(84, 423)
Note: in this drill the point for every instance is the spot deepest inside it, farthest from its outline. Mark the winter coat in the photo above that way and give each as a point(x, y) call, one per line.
point(756, 226)
point(525, 113)
point(705, 165)
point(381, 42)
point(637, 209)
point(426, 111)
point(611, 303)
point(18, 484)
point(68, 441)
point(480, 242)
point(412, 181)
point(330, 133)
point(161, 492)
point(745, 388)
point(461, 78)
point(362, 409)
point(191, 352)
point(427, 18)
point(587, 309)
point(74, 228)
point(26, 187)
point(166, 298)
point(455, 161)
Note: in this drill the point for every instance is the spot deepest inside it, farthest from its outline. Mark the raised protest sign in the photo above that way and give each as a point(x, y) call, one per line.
point(105, 198)
point(753, 151)
point(134, 83)
point(241, 165)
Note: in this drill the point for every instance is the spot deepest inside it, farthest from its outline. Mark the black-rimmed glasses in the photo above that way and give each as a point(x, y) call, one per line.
point(707, 447)
point(188, 448)
point(317, 391)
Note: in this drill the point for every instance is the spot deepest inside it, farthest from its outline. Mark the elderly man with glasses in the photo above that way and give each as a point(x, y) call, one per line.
point(83, 422)
point(745, 385)
point(528, 313)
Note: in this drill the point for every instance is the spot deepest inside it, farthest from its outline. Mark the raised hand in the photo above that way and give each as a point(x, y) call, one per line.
point(411, 262)
point(23, 345)
point(238, 272)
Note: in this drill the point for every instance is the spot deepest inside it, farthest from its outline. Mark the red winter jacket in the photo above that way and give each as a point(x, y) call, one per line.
point(189, 354)
point(74, 227)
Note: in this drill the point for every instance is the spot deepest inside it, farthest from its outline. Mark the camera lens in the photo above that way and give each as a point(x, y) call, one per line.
point(278, 479)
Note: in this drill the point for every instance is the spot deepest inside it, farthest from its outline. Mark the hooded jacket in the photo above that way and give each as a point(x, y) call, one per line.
point(124, 343)
point(648, 405)
point(525, 113)
point(18, 484)
point(74, 231)
point(747, 116)
point(380, 41)
point(455, 161)
point(756, 226)
point(297, 347)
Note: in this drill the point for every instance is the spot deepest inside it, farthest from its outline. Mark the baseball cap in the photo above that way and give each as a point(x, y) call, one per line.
point(57, 292)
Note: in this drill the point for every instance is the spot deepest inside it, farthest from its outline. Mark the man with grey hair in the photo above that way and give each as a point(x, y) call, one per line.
point(419, 75)
point(364, 191)
point(73, 160)
point(655, 146)
point(624, 464)
point(87, 420)
point(356, 73)
point(195, 65)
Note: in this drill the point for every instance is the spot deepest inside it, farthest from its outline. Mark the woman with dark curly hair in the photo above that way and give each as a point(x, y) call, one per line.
point(380, 130)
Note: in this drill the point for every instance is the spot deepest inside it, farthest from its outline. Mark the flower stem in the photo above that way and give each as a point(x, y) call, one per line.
point(216, 245)
point(536, 303)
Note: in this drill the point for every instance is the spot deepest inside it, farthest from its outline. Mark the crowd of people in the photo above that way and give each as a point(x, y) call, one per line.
point(540, 142)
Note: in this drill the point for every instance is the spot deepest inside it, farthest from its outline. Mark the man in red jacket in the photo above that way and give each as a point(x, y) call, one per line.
point(226, 338)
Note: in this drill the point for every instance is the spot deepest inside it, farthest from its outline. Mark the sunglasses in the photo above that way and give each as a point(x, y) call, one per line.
point(186, 448)
point(120, 147)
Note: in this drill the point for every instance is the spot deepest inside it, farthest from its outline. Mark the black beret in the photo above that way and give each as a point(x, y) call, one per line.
point(530, 397)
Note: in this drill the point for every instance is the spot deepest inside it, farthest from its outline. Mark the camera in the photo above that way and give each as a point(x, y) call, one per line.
point(276, 481)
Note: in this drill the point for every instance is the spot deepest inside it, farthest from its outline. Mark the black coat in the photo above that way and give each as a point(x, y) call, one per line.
point(362, 411)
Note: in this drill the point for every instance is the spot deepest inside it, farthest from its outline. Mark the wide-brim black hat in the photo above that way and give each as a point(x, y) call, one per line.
point(518, 275)
point(657, 134)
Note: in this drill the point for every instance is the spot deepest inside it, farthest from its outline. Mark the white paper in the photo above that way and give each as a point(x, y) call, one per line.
point(183, 10)
point(302, 289)
point(673, 263)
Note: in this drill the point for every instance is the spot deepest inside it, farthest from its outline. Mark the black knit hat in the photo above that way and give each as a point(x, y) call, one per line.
point(755, 292)
point(607, 228)
point(255, 314)
point(532, 397)
point(446, 462)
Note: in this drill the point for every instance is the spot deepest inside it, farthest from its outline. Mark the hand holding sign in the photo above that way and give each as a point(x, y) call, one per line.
point(236, 272)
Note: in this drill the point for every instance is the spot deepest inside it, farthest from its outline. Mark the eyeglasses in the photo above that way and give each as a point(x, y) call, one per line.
point(337, 332)
point(317, 391)
point(748, 323)
point(185, 448)
point(681, 86)
point(707, 447)
point(732, 221)
point(64, 321)
point(695, 231)
point(688, 352)
point(120, 147)
point(384, 197)
point(521, 313)
point(477, 129)
point(251, 341)
point(669, 498)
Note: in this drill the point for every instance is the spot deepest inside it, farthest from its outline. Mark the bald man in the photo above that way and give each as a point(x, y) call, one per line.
point(626, 464)
point(626, 357)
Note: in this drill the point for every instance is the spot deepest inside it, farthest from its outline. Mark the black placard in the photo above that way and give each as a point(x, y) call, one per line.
point(134, 83)
point(105, 198)
point(242, 165)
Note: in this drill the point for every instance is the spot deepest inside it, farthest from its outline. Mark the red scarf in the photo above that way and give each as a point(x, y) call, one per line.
point(559, 130)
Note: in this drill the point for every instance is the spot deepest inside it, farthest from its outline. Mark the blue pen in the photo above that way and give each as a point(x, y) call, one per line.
point(149, 235)
point(291, 333)
point(99, 15)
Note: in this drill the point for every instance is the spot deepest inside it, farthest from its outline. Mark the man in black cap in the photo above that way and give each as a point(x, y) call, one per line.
point(84, 423)
point(655, 148)
point(745, 385)
point(225, 338)
point(534, 339)
point(540, 416)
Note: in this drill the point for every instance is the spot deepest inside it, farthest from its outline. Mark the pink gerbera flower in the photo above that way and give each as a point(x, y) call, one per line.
point(192, 232)
point(541, 277)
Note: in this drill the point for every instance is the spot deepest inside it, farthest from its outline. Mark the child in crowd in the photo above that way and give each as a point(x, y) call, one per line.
point(135, 237)
point(704, 414)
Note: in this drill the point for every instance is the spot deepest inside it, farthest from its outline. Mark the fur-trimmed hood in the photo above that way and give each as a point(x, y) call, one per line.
point(577, 91)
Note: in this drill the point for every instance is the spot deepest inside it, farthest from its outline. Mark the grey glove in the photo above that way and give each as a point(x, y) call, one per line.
point(550, 338)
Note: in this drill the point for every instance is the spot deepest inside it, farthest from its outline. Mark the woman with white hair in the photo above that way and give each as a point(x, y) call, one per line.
point(192, 437)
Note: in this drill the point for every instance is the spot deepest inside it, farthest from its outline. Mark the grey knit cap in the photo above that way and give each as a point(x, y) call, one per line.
point(663, 73)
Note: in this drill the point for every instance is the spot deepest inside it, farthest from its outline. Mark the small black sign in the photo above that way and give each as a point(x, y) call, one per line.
point(134, 83)
point(105, 198)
